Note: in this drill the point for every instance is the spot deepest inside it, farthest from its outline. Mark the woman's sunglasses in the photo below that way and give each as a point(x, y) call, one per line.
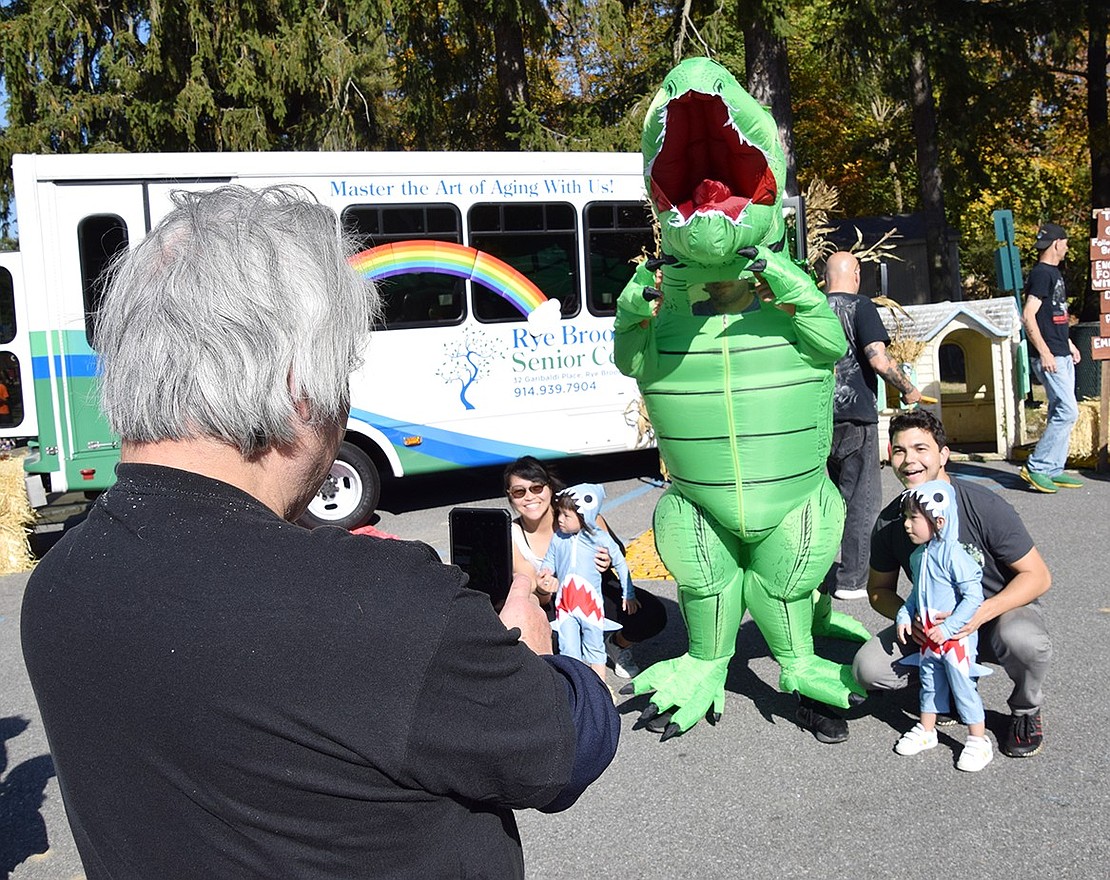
point(519, 492)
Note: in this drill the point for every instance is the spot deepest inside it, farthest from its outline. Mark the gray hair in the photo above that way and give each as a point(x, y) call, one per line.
point(238, 306)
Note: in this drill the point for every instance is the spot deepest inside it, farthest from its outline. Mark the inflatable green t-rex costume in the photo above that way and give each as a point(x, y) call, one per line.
point(739, 391)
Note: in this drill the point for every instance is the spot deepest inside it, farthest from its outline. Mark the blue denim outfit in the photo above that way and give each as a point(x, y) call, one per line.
point(1051, 452)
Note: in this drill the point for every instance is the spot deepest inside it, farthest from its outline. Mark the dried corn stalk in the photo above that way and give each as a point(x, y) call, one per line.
point(903, 347)
point(821, 201)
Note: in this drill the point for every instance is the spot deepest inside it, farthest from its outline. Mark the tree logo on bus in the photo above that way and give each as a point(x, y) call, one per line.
point(468, 360)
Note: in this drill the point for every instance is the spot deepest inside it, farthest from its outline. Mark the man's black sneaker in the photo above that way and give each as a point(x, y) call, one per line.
point(1025, 737)
point(815, 717)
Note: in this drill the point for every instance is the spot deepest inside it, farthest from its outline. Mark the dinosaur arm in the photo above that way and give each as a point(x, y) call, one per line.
point(817, 325)
point(632, 325)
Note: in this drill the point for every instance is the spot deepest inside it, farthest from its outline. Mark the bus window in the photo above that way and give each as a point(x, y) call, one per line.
point(7, 307)
point(616, 233)
point(539, 241)
point(99, 238)
point(11, 391)
point(415, 299)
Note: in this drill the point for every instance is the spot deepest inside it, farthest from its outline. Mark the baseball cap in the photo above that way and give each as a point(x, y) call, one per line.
point(1047, 234)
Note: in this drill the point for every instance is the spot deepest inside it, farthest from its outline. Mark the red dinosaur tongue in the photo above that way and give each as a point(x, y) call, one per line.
point(710, 193)
point(713, 195)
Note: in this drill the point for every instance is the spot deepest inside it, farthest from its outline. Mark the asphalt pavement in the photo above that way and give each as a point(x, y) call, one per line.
point(753, 796)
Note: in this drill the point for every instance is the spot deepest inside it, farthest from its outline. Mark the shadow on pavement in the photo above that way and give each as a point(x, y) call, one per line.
point(1006, 479)
point(22, 827)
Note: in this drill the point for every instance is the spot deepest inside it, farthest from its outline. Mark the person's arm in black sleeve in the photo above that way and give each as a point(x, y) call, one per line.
point(882, 579)
point(597, 724)
point(494, 722)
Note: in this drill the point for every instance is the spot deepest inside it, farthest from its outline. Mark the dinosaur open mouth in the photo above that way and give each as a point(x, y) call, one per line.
point(706, 164)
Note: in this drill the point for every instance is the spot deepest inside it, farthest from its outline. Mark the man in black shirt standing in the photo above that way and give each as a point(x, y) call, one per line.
point(229, 695)
point(1052, 357)
point(854, 456)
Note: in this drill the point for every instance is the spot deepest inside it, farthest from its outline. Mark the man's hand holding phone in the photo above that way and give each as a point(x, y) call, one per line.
point(522, 609)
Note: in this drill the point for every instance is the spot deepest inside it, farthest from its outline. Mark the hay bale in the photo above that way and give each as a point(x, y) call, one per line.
point(16, 515)
point(1083, 443)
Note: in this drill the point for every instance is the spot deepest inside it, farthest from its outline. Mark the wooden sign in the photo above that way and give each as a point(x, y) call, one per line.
point(1102, 217)
point(1100, 249)
point(1100, 348)
point(1100, 345)
point(1100, 275)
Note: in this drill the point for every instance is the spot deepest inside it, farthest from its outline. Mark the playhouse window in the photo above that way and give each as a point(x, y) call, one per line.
point(953, 369)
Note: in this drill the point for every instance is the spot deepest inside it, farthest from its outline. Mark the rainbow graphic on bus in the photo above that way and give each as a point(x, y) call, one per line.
point(448, 258)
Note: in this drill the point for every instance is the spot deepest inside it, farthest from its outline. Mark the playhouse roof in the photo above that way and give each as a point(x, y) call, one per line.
point(996, 317)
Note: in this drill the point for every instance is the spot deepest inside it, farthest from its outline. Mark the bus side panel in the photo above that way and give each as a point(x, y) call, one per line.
point(455, 402)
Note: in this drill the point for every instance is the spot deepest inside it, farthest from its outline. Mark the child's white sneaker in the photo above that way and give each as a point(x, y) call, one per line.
point(916, 739)
point(975, 755)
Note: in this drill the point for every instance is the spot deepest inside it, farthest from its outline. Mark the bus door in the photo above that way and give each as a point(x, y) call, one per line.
point(91, 224)
point(17, 399)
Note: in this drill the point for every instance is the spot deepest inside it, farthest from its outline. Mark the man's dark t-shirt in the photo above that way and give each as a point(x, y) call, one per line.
point(855, 398)
point(1046, 283)
point(228, 695)
point(990, 530)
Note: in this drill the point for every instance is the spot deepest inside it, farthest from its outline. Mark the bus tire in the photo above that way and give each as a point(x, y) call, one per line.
point(350, 492)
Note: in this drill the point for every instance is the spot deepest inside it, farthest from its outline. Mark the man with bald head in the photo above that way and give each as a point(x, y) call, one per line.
point(854, 457)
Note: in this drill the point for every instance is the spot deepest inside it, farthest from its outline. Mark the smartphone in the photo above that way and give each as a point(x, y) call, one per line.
point(482, 546)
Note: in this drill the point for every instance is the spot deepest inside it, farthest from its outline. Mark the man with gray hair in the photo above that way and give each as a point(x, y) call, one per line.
point(229, 695)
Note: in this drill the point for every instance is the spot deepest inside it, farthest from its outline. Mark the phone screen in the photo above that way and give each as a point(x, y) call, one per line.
point(481, 545)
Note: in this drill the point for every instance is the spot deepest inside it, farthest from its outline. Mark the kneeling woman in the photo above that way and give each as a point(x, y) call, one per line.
point(531, 485)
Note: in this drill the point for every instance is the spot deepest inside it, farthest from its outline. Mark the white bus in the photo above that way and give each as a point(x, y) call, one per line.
point(466, 247)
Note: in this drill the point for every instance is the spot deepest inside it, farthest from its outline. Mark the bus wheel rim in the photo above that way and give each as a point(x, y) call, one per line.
point(340, 495)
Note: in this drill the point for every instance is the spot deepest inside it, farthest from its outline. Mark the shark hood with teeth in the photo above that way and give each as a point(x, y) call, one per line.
point(587, 501)
point(713, 166)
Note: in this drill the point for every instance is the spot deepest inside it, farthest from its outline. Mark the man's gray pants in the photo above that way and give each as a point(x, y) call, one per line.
point(1017, 640)
point(853, 466)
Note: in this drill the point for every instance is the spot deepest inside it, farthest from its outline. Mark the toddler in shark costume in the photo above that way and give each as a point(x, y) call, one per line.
point(579, 616)
point(946, 581)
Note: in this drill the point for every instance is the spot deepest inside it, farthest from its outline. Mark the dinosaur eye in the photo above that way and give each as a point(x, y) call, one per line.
point(669, 87)
point(719, 86)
